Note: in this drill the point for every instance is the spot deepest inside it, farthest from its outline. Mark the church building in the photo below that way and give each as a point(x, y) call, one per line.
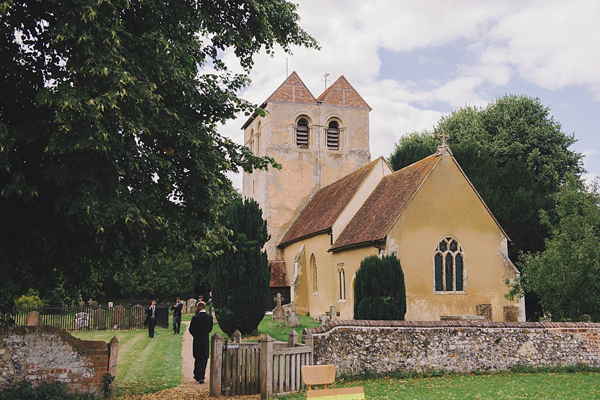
point(330, 206)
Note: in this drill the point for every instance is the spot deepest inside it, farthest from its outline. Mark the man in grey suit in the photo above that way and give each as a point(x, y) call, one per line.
point(200, 328)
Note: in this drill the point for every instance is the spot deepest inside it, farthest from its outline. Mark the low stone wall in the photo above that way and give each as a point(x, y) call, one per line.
point(457, 346)
point(49, 354)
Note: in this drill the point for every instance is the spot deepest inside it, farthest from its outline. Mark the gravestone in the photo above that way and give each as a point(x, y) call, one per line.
point(110, 304)
point(137, 317)
point(98, 319)
point(117, 318)
point(484, 310)
point(82, 320)
point(292, 319)
point(191, 306)
point(278, 312)
point(511, 314)
point(33, 319)
point(332, 313)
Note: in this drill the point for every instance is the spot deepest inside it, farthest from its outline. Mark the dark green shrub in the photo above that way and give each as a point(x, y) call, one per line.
point(379, 291)
point(241, 274)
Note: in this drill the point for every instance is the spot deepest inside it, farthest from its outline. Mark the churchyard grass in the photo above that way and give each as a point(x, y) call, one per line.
point(581, 385)
point(144, 365)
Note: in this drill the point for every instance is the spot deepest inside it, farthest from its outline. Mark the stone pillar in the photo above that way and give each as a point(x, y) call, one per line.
point(484, 310)
point(113, 355)
point(266, 367)
point(216, 359)
point(511, 314)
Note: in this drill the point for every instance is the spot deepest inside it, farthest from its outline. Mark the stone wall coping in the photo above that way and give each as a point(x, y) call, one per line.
point(78, 344)
point(447, 324)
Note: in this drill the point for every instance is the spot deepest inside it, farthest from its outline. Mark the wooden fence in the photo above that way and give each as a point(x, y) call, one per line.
point(76, 318)
point(267, 367)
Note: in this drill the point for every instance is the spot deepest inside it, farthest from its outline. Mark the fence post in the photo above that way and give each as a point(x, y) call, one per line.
point(237, 337)
point(293, 338)
point(308, 341)
point(113, 355)
point(216, 359)
point(266, 367)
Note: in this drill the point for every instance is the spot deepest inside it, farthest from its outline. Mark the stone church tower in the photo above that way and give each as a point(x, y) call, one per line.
point(316, 141)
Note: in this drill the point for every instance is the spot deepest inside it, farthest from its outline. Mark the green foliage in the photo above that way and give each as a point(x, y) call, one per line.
point(110, 158)
point(241, 274)
point(566, 275)
point(515, 155)
point(30, 300)
point(45, 391)
point(379, 291)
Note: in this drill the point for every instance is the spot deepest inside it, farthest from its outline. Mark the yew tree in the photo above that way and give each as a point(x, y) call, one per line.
point(109, 148)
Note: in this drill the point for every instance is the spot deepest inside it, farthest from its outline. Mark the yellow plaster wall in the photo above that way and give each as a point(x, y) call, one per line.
point(446, 205)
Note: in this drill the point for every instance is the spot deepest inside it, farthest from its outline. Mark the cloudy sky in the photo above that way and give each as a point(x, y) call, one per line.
point(414, 61)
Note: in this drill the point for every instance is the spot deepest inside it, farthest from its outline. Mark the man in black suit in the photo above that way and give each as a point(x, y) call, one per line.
point(177, 316)
point(200, 327)
point(151, 318)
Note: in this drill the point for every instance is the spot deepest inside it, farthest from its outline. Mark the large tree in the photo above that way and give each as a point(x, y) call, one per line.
point(109, 150)
point(566, 275)
point(241, 274)
point(515, 154)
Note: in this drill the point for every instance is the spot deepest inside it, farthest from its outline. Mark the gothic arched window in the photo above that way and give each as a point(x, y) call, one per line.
point(313, 272)
point(341, 282)
point(449, 266)
point(302, 131)
point(333, 135)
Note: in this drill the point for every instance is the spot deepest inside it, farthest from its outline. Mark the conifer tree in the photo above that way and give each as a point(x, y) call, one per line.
point(379, 291)
point(241, 274)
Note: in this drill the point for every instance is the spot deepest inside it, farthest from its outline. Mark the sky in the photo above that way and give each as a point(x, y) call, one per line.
point(415, 61)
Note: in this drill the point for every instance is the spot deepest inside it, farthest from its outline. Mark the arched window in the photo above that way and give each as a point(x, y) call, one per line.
point(341, 282)
point(313, 272)
point(449, 266)
point(333, 135)
point(302, 131)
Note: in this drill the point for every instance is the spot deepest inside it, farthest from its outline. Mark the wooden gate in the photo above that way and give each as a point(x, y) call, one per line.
point(266, 367)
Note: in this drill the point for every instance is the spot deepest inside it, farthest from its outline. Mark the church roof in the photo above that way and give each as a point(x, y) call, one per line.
point(389, 199)
point(326, 205)
point(278, 274)
point(342, 93)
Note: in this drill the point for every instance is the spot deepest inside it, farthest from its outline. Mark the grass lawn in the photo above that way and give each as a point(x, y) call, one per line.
point(496, 386)
point(148, 365)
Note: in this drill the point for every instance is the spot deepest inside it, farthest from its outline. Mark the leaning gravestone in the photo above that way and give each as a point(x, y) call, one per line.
point(117, 318)
point(278, 312)
point(98, 319)
point(33, 319)
point(191, 306)
point(292, 319)
point(137, 317)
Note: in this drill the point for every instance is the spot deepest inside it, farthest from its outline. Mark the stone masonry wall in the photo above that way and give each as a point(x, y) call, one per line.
point(48, 354)
point(457, 346)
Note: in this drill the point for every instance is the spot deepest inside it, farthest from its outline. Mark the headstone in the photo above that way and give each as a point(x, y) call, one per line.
point(484, 310)
point(82, 320)
point(292, 319)
point(332, 313)
point(98, 319)
point(278, 312)
point(137, 317)
point(110, 304)
point(117, 318)
point(191, 306)
point(511, 314)
point(323, 319)
point(33, 319)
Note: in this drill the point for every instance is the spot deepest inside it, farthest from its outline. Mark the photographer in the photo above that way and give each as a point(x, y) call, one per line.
point(177, 307)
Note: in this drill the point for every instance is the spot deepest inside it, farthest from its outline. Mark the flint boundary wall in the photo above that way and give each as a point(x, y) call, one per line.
point(49, 354)
point(453, 346)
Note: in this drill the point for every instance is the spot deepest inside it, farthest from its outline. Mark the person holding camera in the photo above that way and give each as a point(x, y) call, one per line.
point(151, 318)
point(177, 308)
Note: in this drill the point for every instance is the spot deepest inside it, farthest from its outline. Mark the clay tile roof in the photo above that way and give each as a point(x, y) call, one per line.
point(278, 274)
point(377, 215)
point(342, 93)
point(325, 206)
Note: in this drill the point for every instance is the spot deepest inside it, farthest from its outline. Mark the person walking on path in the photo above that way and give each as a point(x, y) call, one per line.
point(200, 328)
point(177, 308)
point(151, 318)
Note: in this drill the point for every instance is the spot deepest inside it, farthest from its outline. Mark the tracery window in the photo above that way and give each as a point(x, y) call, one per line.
point(449, 266)
point(302, 131)
point(333, 135)
point(313, 272)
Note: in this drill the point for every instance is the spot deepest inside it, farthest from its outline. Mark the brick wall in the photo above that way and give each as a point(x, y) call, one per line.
point(457, 346)
point(48, 354)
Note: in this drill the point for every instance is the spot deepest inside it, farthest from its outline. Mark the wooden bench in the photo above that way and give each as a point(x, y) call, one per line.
point(325, 375)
